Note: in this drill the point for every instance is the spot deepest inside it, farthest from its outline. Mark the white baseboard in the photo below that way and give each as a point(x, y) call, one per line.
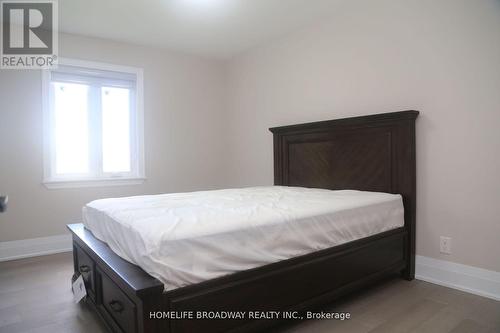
point(34, 247)
point(470, 279)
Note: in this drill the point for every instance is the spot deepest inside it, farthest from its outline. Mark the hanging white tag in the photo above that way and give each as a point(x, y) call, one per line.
point(79, 290)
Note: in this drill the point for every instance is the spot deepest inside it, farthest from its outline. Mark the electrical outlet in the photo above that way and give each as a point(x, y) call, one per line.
point(445, 245)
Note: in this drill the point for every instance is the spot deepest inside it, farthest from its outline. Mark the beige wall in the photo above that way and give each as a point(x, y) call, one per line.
point(441, 57)
point(206, 122)
point(183, 108)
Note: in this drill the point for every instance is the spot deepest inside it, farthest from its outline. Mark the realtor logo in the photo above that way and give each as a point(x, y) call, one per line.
point(29, 34)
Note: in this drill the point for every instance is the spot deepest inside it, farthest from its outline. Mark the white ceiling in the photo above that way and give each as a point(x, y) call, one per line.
point(214, 28)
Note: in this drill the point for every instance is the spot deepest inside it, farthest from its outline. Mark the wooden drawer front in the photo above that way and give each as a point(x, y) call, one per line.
point(118, 305)
point(86, 267)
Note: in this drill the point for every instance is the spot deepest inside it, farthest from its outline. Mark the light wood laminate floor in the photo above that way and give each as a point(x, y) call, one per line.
point(35, 296)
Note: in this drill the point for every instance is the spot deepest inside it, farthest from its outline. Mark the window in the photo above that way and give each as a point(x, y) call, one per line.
point(93, 125)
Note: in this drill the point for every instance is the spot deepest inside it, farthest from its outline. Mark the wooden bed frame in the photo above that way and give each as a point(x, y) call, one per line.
point(372, 153)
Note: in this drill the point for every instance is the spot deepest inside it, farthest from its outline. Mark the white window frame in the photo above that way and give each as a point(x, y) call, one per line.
point(136, 176)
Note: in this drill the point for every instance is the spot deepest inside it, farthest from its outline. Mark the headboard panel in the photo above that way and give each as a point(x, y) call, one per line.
point(340, 161)
point(370, 153)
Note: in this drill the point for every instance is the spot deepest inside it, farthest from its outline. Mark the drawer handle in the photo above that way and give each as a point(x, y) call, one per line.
point(116, 306)
point(84, 269)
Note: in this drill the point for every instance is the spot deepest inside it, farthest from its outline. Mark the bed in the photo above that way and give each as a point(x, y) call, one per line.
point(374, 154)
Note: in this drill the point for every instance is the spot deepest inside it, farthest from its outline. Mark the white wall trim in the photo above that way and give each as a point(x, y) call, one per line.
point(470, 279)
point(57, 184)
point(34, 247)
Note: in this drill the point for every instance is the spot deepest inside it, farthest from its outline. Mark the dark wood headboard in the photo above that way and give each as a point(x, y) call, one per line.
point(370, 153)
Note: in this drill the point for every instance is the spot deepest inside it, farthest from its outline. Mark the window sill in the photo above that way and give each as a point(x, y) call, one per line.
point(57, 184)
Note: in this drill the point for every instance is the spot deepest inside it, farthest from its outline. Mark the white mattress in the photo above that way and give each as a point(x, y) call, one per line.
point(186, 238)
